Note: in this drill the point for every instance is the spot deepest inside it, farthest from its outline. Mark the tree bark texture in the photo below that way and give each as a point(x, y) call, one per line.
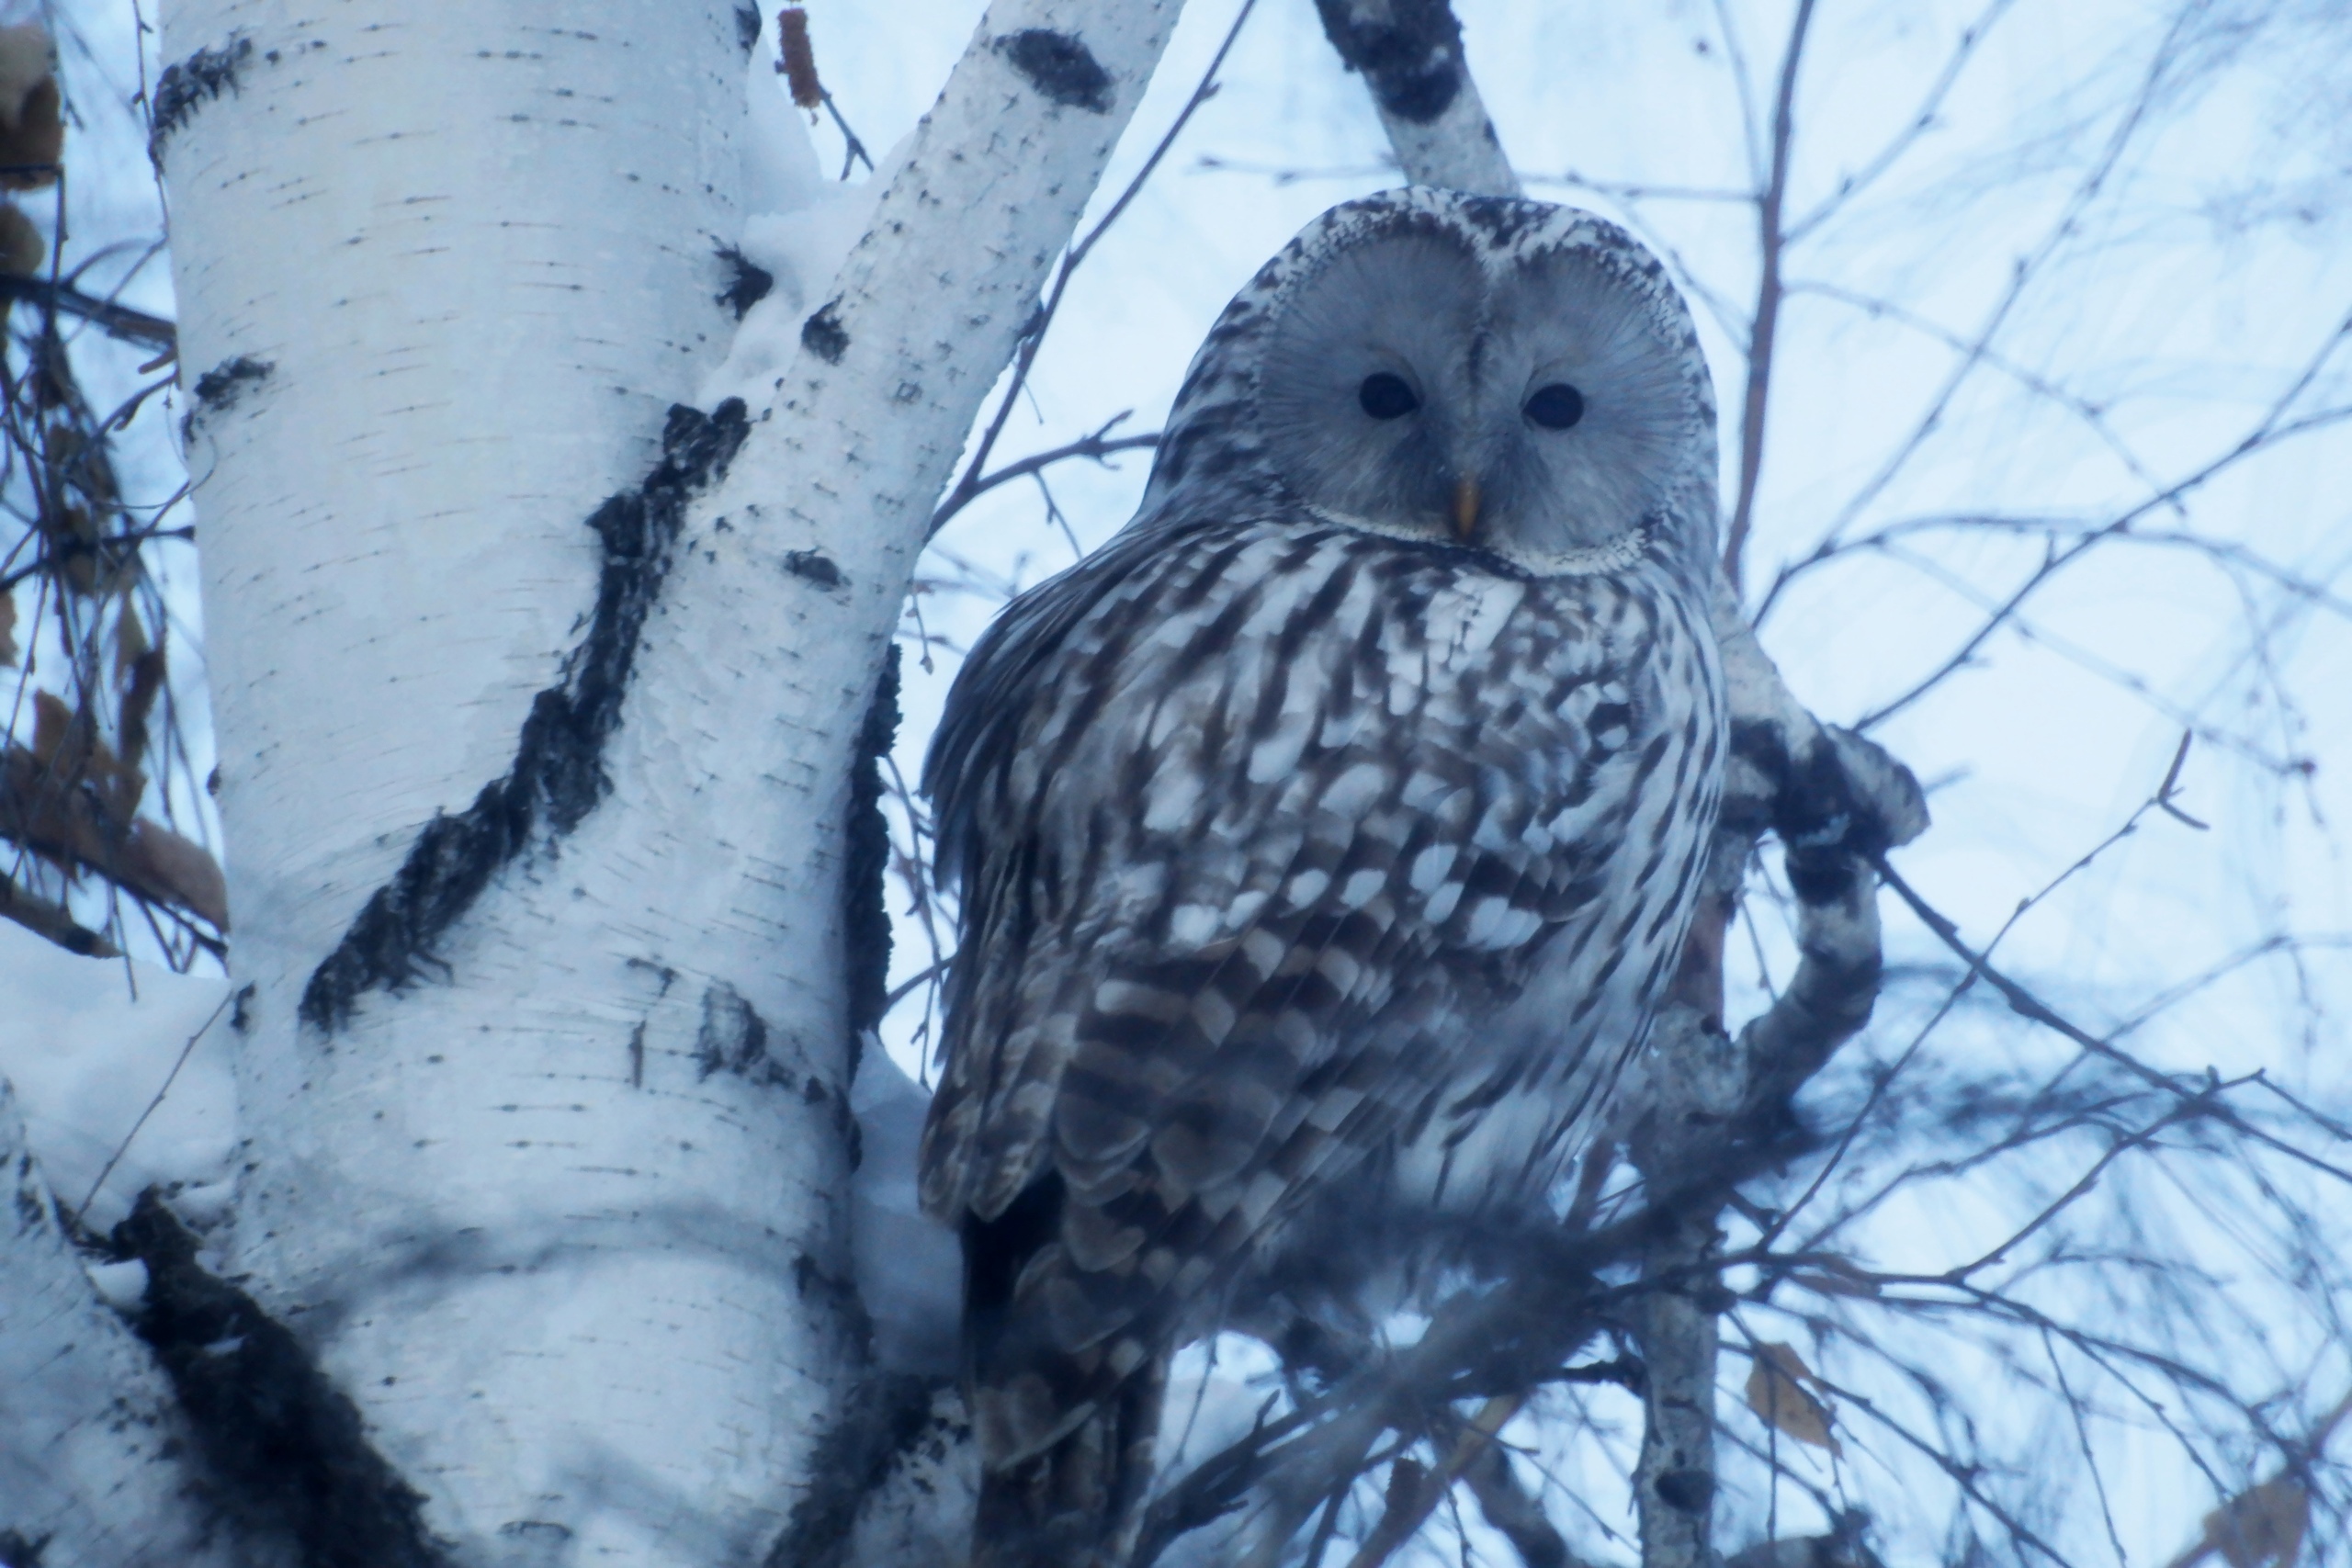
point(537, 721)
point(1410, 54)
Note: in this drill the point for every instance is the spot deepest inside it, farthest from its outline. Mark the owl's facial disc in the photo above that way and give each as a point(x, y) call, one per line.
point(1527, 405)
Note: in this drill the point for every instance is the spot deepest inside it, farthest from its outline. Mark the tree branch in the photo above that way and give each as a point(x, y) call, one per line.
point(1033, 331)
point(55, 922)
point(1100, 446)
point(119, 320)
point(1410, 54)
point(1770, 243)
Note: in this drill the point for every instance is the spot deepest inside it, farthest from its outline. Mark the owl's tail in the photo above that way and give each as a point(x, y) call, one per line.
point(1079, 1504)
point(1064, 1406)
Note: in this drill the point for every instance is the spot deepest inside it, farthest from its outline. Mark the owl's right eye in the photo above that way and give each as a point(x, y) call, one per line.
point(1385, 396)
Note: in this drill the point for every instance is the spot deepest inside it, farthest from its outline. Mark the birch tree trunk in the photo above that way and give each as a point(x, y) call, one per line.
point(537, 743)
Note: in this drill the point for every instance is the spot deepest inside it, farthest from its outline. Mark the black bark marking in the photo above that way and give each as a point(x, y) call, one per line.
point(733, 1035)
point(747, 284)
point(885, 1418)
point(220, 387)
point(188, 84)
point(823, 336)
point(816, 566)
point(558, 777)
point(287, 1448)
point(747, 28)
point(1412, 58)
point(1058, 66)
point(866, 918)
point(1687, 1490)
point(1812, 803)
point(1815, 807)
point(20, 1551)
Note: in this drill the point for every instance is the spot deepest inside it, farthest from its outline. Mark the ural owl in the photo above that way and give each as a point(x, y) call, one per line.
point(1337, 823)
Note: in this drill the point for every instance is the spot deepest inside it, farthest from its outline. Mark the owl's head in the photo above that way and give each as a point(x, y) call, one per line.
point(1502, 374)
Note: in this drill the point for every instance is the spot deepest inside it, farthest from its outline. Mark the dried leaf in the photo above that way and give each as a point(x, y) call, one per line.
point(1837, 1281)
point(145, 684)
point(129, 638)
point(178, 868)
point(72, 828)
point(52, 727)
point(33, 131)
point(1776, 1391)
point(52, 921)
point(8, 628)
point(67, 749)
point(22, 249)
point(2262, 1527)
point(25, 63)
point(796, 61)
point(73, 554)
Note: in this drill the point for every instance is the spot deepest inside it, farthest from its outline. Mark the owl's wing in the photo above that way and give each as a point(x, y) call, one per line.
point(1253, 828)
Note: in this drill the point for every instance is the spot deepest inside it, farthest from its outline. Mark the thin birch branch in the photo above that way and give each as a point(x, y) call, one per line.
point(1772, 245)
point(1100, 447)
point(1410, 54)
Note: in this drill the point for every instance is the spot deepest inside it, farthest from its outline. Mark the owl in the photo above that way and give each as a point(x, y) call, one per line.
point(1332, 831)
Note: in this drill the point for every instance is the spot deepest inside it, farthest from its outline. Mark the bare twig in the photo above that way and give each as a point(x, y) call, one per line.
point(155, 1099)
point(121, 320)
point(1100, 446)
point(53, 920)
point(1772, 245)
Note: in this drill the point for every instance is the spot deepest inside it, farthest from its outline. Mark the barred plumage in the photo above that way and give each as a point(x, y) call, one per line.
point(1325, 813)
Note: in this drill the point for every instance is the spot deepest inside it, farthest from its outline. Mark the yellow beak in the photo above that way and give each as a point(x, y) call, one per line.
point(1466, 507)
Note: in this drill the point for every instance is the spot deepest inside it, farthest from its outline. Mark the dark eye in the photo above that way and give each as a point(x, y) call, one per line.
point(1554, 407)
point(1387, 397)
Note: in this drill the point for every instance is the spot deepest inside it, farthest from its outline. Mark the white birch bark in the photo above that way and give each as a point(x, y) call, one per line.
point(1410, 54)
point(563, 1212)
point(446, 264)
point(95, 1464)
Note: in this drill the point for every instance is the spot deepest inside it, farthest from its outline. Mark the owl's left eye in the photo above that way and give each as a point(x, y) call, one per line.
point(1555, 407)
point(1386, 396)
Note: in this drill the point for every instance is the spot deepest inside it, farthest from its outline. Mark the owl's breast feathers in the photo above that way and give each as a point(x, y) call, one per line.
point(1263, 827)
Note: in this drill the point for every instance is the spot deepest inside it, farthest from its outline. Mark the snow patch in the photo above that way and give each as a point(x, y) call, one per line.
point(910, 1268)
point(121, 1286)
point(89, 1047)
point(799, 227)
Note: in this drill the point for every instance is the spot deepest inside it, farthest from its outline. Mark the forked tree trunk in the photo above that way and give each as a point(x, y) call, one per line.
point(537, 724)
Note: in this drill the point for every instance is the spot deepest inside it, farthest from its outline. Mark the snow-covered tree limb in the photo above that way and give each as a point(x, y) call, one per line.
point(94, 1463)
point(1410, 54)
